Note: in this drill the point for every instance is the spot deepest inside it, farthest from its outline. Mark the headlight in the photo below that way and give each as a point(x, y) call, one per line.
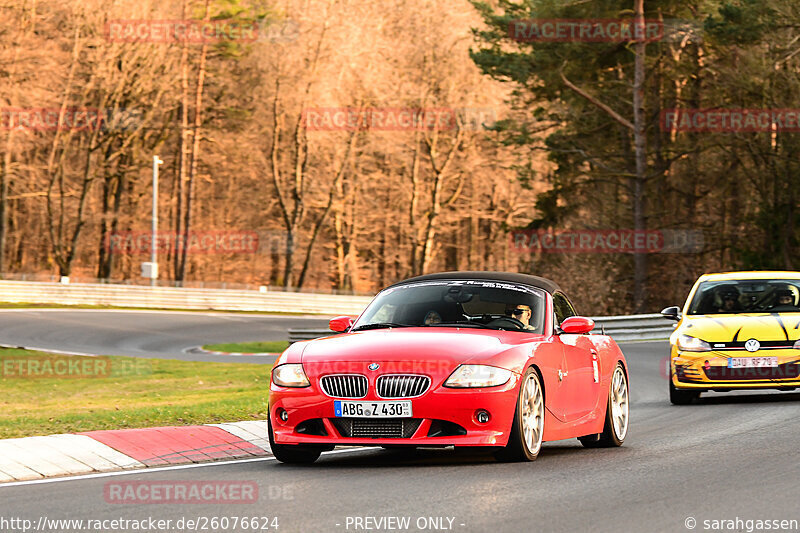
point(796, 345)
point(291, 375)
point(692, 344)
point(477, 376)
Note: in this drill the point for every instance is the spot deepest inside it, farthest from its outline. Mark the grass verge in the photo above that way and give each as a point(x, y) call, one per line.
point(48, 393)
point(248, 347)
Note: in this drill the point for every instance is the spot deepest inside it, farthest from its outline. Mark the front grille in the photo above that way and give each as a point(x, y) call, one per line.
point(723, 373)
point(402, 386)
point(369, 428)
point(763, 345)
point(344, 385)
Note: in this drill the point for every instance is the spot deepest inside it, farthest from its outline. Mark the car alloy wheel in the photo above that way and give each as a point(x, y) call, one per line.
point(532, 413)
point(527, 430)
point(619, 403)
point(617, 414)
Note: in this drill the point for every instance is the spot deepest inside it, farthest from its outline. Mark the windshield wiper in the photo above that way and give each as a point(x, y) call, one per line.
point(380, 325)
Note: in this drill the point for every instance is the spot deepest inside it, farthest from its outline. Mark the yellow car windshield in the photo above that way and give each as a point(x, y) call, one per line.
point(746, 296)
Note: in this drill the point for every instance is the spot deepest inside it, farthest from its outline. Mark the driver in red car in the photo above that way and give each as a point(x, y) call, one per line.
point(523, 312)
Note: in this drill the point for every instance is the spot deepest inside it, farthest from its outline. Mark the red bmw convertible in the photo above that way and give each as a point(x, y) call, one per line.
point(479, 359)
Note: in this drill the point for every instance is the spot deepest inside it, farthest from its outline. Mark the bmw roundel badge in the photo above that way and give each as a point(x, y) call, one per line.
point(374, 366)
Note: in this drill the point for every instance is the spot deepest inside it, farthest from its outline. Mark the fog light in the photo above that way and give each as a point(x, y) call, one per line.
point(482, 416)
point(707, 365)
point(283, 415)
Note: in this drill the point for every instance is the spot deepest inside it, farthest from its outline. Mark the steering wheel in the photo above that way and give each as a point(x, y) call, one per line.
point(497, 322)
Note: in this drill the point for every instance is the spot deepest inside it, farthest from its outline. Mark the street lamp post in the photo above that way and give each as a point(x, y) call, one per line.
point(153, 254)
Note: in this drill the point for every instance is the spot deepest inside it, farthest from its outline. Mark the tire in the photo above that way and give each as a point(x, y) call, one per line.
point(296, 454)
point(617, 421)
point(525, 440)
point(681, 397)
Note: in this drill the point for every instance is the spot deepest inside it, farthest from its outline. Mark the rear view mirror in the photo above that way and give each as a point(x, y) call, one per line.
point(577, 325)
point(457, 295)
point(340, 324)
point(671, 313)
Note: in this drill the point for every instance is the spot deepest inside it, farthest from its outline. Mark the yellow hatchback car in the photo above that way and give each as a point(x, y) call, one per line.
point(738, 330)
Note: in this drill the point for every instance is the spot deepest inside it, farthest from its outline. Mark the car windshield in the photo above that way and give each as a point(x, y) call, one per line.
point(467, 303)
point(746, 296)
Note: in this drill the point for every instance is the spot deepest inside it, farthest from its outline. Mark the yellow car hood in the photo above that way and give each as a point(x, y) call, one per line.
point(743, 326)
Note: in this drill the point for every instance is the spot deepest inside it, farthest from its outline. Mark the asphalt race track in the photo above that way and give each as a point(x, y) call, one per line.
point(154, 334)
point(727, 457)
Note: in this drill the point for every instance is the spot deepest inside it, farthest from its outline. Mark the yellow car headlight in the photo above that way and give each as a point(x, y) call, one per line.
point(796, 345)
point(692, 344)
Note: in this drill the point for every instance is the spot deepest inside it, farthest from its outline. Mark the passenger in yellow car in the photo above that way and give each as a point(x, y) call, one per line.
point(785, 302)
point(730, 300)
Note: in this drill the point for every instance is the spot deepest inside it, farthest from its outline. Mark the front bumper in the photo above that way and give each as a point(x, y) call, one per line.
point(709, 370)
point(441, 417)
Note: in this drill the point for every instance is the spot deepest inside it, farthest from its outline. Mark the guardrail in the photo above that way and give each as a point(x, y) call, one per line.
point(179, 298)
point(620, 328)
point(635, 327)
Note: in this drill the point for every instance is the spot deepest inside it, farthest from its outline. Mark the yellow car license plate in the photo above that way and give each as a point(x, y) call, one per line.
point(752, 362)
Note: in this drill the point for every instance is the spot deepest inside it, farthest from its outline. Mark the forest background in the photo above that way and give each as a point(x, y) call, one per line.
point(530, 135)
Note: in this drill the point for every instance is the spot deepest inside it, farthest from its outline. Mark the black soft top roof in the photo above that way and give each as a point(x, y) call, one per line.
point(513, 277)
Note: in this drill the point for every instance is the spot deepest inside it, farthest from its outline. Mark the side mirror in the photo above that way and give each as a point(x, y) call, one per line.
point(340, 324)
point(671, 313)
point(577, 325)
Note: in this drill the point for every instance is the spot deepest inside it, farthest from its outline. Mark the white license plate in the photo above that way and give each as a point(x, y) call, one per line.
point(752, 362)
point(400, 409)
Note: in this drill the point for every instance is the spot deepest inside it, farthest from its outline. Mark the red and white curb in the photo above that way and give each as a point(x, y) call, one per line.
point(69, 454)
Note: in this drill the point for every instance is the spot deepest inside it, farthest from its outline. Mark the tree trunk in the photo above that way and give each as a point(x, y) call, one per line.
point(5, 171)
point(196, 132)
point(640, 148)
point(104, 249)
point(436, 200)
point(412, 208)
point(336, 190)
point(180, 242)
point(5, 178)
